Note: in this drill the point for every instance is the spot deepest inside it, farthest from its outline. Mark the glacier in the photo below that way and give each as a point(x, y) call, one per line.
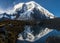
point(29, 11)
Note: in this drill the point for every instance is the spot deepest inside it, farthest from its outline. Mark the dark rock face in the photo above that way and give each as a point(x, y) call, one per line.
point(53, 39)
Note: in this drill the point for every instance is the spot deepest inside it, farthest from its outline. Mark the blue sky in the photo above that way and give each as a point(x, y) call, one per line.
point(52, 5)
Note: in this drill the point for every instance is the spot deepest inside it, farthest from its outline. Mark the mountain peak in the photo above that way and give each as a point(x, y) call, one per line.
point(30, 11)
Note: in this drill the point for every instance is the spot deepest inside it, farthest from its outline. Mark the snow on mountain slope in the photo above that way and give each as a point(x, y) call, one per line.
point(30, 11)
point(29, 7)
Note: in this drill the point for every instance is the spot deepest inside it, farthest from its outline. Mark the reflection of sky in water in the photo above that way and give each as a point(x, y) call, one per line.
point(5, 4)
point(43, 39)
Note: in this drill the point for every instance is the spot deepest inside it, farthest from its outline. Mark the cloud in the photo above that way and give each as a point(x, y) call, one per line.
point(1, 11)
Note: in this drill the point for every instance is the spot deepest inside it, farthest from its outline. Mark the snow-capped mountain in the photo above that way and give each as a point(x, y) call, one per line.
point(30, 11)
